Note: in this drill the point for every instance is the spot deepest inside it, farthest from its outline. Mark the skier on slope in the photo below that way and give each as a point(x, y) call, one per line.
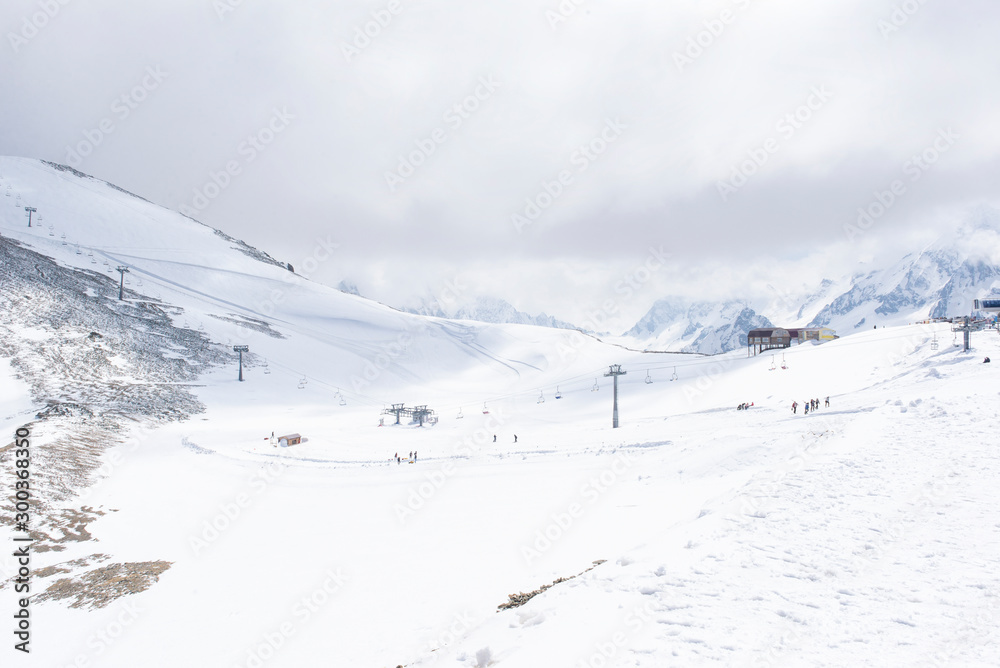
point(795, 405)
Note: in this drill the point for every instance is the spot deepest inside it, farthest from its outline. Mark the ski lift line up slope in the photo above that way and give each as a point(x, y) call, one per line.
point(358, 346)
point(109, 218)
point(737, 360)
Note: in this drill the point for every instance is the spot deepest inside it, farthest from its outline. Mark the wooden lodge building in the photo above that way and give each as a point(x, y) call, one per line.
point(771, 338)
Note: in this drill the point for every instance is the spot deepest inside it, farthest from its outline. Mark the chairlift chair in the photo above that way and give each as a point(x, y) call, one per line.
point(459, 416)
point(541, 397)
point(783, 365)
point(673, 376)
point(343, 401)
point(486, 410)
point(649, 379)
point(558, 394)
point(773, 367)
point(596, 387)
point(934, 342)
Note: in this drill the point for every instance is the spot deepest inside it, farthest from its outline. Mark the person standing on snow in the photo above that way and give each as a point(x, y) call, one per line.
point(828, 402)
point(795, 405)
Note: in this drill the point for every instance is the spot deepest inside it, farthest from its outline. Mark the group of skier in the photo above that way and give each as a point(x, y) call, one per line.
point(744, 406)
point(412, 458)
point(810, 404)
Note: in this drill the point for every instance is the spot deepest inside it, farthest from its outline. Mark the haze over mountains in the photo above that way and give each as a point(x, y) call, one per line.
point(940, 280)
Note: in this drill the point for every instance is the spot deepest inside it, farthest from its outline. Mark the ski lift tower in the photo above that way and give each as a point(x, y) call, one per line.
point(967, 326)
point(30, 210)
point(397, 410)
point(241, 350)
point(614, 371)
point(121, 286)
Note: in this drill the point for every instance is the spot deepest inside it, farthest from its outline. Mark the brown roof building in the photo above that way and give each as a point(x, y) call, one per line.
point(770, 338)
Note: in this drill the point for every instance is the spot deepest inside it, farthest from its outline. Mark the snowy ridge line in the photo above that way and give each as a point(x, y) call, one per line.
point(82, 176)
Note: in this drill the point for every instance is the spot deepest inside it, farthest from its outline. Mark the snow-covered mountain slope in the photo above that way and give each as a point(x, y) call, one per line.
point(238, 295)
point(938, 282)
point(487, 309)
point(863, 533)
point(846, 537)
point(698, 327)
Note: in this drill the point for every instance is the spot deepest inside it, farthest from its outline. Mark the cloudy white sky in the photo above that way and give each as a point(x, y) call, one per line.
point(670, 98)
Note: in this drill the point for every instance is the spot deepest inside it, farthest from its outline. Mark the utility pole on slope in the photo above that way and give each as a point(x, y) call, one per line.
point(121, 286)
point(614, 371)
point(241, 350)
point(30, 210)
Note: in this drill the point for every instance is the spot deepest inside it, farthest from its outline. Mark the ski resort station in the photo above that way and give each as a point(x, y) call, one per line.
point(770, 338)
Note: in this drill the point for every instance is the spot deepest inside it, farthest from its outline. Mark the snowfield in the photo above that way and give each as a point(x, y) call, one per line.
point(863, 533)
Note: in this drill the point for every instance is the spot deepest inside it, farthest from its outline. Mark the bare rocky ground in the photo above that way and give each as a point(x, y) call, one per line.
point(99, 370)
